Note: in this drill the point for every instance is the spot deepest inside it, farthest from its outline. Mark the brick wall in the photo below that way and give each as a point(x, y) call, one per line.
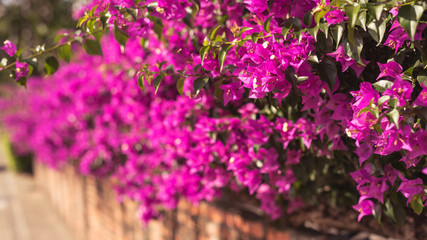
point(90, 209)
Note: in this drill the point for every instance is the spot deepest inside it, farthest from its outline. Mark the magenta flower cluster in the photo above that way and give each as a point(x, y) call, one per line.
point(160, 147)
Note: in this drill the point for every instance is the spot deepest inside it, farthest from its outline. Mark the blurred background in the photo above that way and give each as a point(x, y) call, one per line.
point(29, 23)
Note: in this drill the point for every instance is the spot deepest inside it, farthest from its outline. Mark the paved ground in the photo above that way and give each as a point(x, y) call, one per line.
point(25, 211)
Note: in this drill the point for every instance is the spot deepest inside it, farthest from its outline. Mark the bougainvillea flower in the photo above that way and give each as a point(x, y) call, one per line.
point(364, 96)
point(9, 47)
point(341, 56)
point(375, 189)
point(401, 90)
point(391, 69)
point(364, 151)
point(409, 162)
point(397, 37)
point(390, 173)
point(364, 207)
point(335, 16)
point(421, 100)
point(409, 188)
point(232, 91)
point(21, 70)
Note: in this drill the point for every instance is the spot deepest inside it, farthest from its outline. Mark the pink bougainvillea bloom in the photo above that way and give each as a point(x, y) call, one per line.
point(336, 16)
point(409, 188)
point(346, 61)
point(364, 207)
point(421, 99)
point(397, 37)
point(390, 69)
point(401, 90)
point(390, 173)
point(232, 91)
point(9, 47)
point(375, 189)
point(256, 6)
point(364, 151)
point(21, 70)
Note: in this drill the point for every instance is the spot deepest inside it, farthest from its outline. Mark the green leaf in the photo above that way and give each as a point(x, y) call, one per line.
point(392, 102)
point(422, 77)
point(397, 206)
point(92, 47)
point(211, 34)
point(180, 85)
point(352, 12)
point(203, 51)
point(308, 19)
point(90, 24)
point(133, 12)
point(382, 85)
point(51, 65)
point(59, 37)
point(376, 212)
point(376, 9)
point(199, 83)
point(324, 27)
point(195, 7)
point(312, 31)
point(267, 23)
point(363, 110)
point(22, 81)
point(389, 210)
point(409, 16)
point(383, 99)
point(222, 54)
point(158, 26)
point(298, 35)
point(120, 36)
point(255, 37)
point(328, 72)
point(285, 31)
point(294, 22)
point(141, 82)
point(103, 17)
point(361, 20)
point(64, 52)
point(92, 11)
point(82, 20)
point(19, 52)
point(98, 35)
point(377, 29)
point(393, 116)
point(157, 81)
point(337, 33)
point(353, 45)
point(417, 204)
point(160, 65)
point(242, 30)
point(319, 15)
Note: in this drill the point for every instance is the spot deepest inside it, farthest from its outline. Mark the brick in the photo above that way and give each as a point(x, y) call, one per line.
point(273, 234)
point(90, 208)
point(215, 214)
point(203, 209)
point(212, 231)
point(229, 233)
point(233, 220)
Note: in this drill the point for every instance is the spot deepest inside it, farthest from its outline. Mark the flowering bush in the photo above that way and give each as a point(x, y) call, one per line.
point(292, 101)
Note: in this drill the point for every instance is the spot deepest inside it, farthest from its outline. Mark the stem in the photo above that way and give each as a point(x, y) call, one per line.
point(47, 51)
